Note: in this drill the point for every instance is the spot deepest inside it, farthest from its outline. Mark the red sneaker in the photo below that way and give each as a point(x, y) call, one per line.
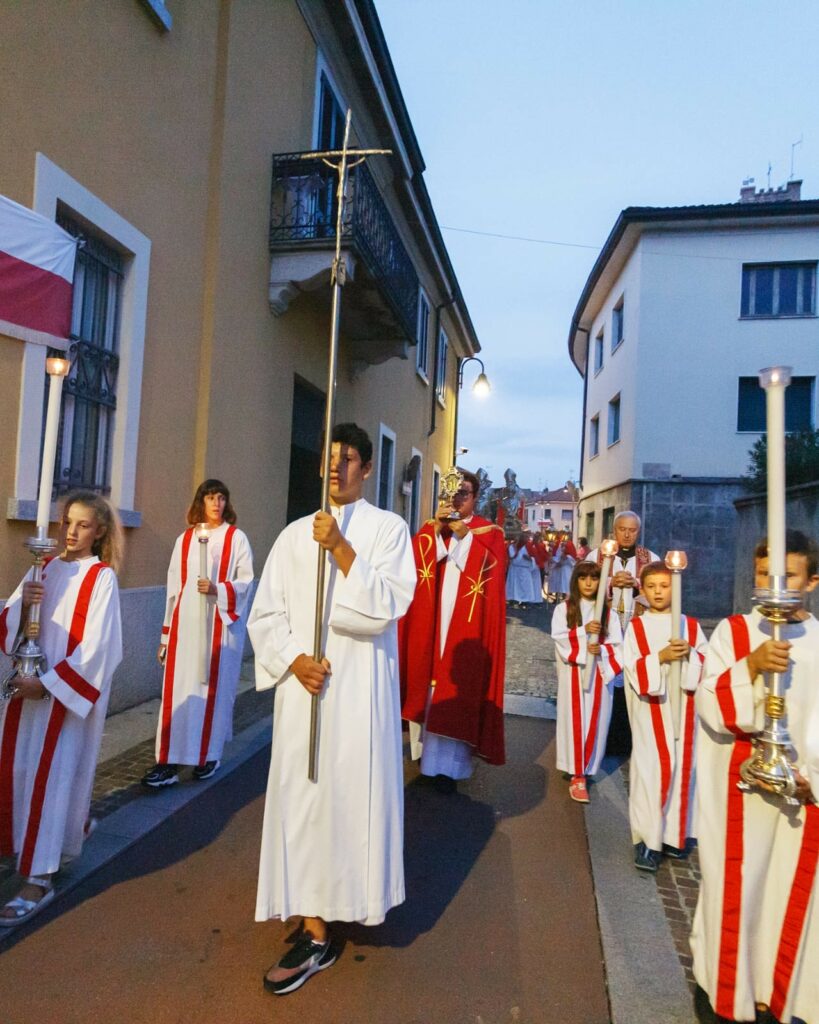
point(577, 789)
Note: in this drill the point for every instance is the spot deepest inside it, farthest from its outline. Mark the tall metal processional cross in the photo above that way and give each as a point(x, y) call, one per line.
point(342, 161)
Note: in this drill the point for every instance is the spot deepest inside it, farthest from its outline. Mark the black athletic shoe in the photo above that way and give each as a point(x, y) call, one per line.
point(204, 771)
point(306, 954)
point(674, 852)
point(645, 859)
point(161, 775)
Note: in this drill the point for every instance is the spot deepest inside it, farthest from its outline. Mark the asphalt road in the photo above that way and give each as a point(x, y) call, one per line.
point(499, 924)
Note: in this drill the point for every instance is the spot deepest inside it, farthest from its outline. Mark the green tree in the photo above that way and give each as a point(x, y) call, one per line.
point(801, 460)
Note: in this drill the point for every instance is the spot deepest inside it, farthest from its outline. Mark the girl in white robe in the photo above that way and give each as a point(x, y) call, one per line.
point(51, 727)
point(662, 772)
point(202, 664)
point(583, 712)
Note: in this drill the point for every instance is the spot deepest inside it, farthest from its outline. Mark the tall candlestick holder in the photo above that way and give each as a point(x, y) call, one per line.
point(771, 767)
point(29, 659)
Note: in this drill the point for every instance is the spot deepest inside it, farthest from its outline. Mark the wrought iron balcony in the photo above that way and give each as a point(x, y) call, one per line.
point(382, 302)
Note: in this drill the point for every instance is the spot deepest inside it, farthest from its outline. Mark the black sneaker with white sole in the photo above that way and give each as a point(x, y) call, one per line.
point(161, 775)
point(309, 956)
point(204, 771)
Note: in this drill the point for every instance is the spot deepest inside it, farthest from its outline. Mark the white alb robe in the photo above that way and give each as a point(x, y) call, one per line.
point(199, 683)
point(519, 575)
point(662, 770)
point(560, 571)
point(334, 848)
point(443, 755)
point(755, 936)
point(583, 715)
point(49, 748)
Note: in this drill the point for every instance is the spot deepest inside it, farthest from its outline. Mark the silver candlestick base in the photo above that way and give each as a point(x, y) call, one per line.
point(29, 659)
point(771, 768)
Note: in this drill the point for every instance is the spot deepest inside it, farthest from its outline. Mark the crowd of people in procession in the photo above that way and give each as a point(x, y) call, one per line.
point(415, 629)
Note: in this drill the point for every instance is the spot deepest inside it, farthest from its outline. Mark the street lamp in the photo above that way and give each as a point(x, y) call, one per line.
point(481, 387)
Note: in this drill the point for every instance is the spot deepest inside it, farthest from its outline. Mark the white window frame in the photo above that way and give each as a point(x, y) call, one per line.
point(594, 436)
point(422, 364)
point(323, 66)
point(52, 185)
point(384, 431)
point(619, 307)
point(611, 441)
point(599, 350)
point(440, 367)
point(436, 485)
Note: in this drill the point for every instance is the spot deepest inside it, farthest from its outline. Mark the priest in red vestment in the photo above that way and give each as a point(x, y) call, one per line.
point(452, 641)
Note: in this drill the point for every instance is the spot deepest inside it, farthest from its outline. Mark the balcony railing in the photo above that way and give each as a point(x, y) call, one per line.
point(303, 215)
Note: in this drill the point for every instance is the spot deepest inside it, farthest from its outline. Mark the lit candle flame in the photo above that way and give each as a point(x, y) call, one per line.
point(676, 561)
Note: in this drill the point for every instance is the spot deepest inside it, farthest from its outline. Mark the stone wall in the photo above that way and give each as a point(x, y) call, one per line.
point(695, 515)
point(802, 513)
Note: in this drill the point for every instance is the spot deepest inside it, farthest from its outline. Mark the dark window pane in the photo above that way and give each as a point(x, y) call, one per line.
point(745, 309)
point(751, 405)
point(799, 404)
point(788, 281)
point(809, 300)
point(763, 302)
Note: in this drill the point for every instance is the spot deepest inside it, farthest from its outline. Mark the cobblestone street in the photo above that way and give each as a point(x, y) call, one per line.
point(530, 655)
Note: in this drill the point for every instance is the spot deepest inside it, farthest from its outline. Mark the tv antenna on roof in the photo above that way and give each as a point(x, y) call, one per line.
point(770, 168)
point(793, 148)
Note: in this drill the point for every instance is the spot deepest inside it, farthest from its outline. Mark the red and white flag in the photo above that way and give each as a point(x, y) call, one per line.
point(36, 275)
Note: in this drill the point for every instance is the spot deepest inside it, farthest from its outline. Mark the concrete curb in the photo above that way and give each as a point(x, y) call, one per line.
point(119, 831)
point(645, 979)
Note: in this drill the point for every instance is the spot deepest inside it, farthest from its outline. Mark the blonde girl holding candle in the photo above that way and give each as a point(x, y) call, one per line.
point(51, 724)
point(583, 715)
point(202, 639)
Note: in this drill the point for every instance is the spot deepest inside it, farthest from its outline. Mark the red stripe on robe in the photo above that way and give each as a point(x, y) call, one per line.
point(656, 714)
point(11, 727)
point(4, 628)
point(55, 724)
point(215, 653)
point(591, 732)
point(690, 719)
point(170, 659)
point(734, 833)
point(796, 911)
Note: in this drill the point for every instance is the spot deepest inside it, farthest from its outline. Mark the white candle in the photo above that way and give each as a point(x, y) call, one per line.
point(775, 379)
point(609, 548)
point(57, 369)
point(676, 561)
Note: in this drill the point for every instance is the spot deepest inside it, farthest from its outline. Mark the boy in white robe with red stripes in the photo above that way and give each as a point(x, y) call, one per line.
point(662, 773)
point(200, 680)
point(51, 727)
point(584, 712)
point(755, 937)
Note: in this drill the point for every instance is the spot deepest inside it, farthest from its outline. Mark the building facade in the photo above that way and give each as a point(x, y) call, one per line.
point(682, 309)
point(169, 138)
point(551, 510)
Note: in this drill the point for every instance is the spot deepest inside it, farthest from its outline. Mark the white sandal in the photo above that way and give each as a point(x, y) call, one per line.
point(25, 909)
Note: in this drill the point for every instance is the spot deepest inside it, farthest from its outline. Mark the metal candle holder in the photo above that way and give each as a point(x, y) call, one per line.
point(771, 767)
point(29, 659)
